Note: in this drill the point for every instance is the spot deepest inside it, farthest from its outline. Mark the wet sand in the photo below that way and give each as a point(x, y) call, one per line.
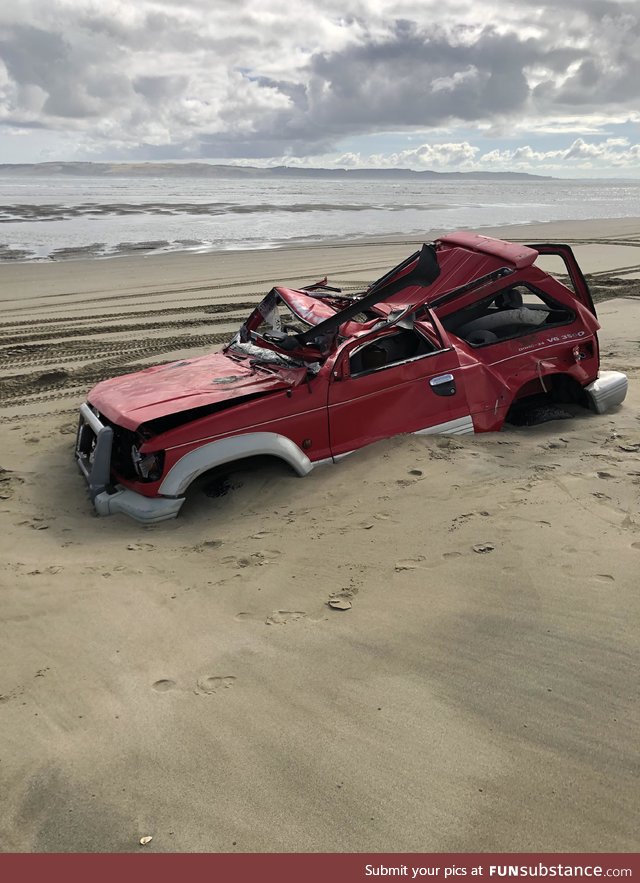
point(189, 682)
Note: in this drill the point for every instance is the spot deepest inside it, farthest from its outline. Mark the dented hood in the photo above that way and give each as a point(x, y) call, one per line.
point(156, 392)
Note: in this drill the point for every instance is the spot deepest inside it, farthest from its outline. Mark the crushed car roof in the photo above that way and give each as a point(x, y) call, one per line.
point(463, 258)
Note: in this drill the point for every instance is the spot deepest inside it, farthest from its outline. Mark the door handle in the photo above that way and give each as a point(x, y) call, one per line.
point(443, 384)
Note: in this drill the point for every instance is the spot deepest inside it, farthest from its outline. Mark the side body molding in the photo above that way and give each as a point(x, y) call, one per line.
point(227, 450)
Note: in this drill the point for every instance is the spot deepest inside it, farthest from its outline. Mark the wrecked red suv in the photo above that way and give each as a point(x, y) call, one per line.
point(449, 341)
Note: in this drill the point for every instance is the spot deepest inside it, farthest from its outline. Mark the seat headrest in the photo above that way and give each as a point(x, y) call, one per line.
point(511, 299)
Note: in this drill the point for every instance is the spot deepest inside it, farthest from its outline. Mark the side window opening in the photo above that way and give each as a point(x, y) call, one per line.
point(512, 312)
point(389, 350)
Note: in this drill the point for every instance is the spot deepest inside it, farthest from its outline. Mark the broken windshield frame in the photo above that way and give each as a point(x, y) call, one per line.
point(272, 316)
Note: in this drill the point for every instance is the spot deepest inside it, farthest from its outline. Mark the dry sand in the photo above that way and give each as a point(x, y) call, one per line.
point(188, 681)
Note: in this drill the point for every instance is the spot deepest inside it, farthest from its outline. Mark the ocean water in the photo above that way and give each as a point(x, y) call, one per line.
point(62, 217)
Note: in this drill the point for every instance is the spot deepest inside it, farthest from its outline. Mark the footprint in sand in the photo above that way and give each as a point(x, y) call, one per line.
point(449, 555)
point(12, 694)
point(163, 685)
point(483, 548)
point(409, 563)
point(36, 524)
point(635, 546)
point(8, 481)
point(604, 475)
point(257, 559)
point(207, 545)
point(282, 617)
point(140, 547)
point(215, 684)
point(605, 577)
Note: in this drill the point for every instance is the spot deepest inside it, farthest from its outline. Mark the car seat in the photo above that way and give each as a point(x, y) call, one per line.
point(507, 321)
point(511, 299)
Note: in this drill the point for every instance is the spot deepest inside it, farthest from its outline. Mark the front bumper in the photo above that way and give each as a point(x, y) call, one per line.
point(93, 456)
point(147, 510)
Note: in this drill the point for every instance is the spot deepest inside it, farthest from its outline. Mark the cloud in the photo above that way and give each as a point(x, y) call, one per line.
point(616, 153)
point(264, 78)
point(578, 158)
point(414, 78)
point(449, 155)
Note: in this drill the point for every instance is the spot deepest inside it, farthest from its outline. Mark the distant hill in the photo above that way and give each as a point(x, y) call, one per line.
point(211, 170)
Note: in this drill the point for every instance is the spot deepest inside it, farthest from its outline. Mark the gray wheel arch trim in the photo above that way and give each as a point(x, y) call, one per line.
point(226, 450)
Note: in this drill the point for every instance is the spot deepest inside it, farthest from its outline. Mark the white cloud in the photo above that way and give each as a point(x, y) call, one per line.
point(579, 158)
point(427, 156)
point(449, 83)
point(613, 153)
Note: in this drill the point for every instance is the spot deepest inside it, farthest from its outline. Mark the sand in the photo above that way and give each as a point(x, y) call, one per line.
point(188, 681)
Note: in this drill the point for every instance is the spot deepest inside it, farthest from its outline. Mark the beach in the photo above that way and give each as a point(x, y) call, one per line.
point(188, 682)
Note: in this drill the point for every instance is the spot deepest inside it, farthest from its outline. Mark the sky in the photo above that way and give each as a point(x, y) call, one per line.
point(500, 85)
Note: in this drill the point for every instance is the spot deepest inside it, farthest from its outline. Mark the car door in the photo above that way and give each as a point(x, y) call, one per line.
point(395, 381)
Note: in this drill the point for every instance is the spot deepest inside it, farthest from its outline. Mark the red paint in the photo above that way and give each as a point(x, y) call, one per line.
point(342, 394)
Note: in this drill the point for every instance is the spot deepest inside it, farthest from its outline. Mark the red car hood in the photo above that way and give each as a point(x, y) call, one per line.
point(156, 392)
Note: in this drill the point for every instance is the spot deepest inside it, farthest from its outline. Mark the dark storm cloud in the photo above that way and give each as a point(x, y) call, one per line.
point(32, 55)
point(72, 81)
point(414, 79)
point(609, 74)
point(411, 78)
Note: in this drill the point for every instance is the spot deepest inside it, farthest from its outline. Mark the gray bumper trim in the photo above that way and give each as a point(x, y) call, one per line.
point(147, 510)
point(459, 426)
point(608, 391)
point(94, 464)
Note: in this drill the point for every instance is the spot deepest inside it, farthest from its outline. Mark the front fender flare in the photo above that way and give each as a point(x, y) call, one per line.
point(226, 450)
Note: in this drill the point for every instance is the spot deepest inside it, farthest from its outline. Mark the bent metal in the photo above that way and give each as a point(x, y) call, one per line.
point(450, 341)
